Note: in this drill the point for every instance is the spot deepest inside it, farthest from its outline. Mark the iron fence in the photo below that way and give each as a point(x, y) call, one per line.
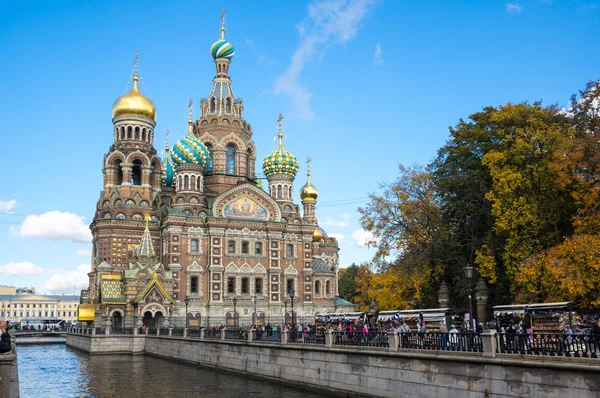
point(266, 335)
point(177, 332)
point(363, 339)
point(236, 334)
point(563, 345)
point(151, 331)
point(100, 330)
point(307, 337)
point(212, 333)
point(467, 342)
point(193, 333)
point(164, 331)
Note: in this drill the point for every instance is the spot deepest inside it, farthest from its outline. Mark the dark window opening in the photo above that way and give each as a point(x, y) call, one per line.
point(258, 248)
point(245, 285)
point(245, 247)
point(136, 172)
point(290, 286)
point(258, 285)
point(209, 165)
point(289, 250)
point(230, 285)
point(194, 284)
point(231, 247)
point(230, 160)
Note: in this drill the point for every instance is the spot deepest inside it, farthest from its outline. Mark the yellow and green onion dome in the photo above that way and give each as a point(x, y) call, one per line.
point(280, 161)
point(222, 49)
point(134, 103)
point(189, 150)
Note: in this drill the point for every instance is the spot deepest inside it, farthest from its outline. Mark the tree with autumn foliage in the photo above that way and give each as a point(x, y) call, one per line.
point(515, 191)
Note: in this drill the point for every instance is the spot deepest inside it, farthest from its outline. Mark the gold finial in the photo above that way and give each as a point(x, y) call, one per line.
point(147, 219)
point(308, 161)
point(280, 123)
point(135, 72)
point(223, 25)
point(190, 120)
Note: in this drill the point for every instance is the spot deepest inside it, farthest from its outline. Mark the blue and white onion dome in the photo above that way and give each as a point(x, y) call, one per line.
point(168, 171)
point(280, 161)
point(222, 49)
point(189, 150)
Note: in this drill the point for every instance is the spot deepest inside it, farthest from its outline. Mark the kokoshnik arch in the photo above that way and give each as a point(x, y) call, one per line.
point(199, 225)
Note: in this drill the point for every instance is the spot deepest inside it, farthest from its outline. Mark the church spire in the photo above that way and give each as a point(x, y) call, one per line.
point(146, 248)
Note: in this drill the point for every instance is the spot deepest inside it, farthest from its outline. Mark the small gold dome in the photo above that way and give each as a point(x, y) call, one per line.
point(317, 235)
point(134, 103)
point(309, 191)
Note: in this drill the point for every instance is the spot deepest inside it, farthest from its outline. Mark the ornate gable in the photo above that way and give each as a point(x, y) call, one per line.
point(248, 202)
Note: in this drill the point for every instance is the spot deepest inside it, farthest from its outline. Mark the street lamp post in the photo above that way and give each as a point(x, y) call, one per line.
point(235, 312)
point(469, 275)
point(292, 298)
point(187, 302)
point(285, 312)
point(254, 300)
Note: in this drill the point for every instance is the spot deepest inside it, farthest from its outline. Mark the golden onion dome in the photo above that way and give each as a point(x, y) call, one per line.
point(309, 191)
point(134, 103)
point(317, 235)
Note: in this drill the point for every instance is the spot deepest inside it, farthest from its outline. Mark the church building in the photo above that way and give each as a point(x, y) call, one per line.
point(194, 238)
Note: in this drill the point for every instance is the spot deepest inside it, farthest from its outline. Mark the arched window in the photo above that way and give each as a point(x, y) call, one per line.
point(186, 182)
point(136, 172)
point(327, 288)
point(213, 105)
point(279, 192)
point(230, 160)
point(122, 133)
point(290, 193)
point(289, 250)
point(199, 184)
point(129, 133)
point(119, 170)
point(180, 185)
point(144, 135)
point(137, 133)
point(194, 245)
point(228, 105)
point(209, 165)
point(317, 287)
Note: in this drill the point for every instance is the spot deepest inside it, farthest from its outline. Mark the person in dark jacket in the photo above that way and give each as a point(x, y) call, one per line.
point(5, 345)
point(596, 333)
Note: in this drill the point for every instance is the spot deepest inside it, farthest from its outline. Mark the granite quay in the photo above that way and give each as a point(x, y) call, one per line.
point(9, 374)
point(399, 364)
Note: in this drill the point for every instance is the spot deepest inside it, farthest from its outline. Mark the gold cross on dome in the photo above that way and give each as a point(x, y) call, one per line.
point(190, 107)
point(135, 64)
point(308, 161)
point(223, 17)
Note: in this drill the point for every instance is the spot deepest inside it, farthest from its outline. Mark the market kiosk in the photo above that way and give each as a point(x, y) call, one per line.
point(545, 317)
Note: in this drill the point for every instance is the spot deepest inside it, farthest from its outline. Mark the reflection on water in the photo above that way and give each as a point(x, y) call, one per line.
point(53, 370)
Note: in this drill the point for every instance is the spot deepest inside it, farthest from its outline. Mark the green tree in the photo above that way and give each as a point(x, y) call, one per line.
point(346, 282)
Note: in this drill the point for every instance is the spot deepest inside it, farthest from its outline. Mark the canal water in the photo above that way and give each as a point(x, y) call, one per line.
point(53, 370)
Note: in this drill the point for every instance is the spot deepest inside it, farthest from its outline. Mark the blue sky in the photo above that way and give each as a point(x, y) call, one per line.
point(363, 85)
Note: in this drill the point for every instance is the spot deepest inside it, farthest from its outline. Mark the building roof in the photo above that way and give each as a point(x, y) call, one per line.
point(38, 297)
point(321, 266)
point(338, 301)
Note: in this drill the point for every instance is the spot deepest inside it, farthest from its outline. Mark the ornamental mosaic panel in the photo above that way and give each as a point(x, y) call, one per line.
point(245, 208)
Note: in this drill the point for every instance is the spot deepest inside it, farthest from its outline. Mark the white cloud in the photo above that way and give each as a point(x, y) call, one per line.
point(24, 268)
point(513, 8)
point(55, 225)
point(363, 238)
point(330, 222)
point(84, 252)
point(378, 57)
point(339, 237)
point(67, 280)
point(328, 22)
point(346, 216)
point(7, 207)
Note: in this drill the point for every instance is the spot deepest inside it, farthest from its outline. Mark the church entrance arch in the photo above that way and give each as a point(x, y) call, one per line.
point(148, 320)
point(117, 320)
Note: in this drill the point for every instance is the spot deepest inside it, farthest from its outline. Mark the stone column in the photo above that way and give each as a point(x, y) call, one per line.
point(328, 338)
point(185, 332)
point(481, 298)
point(251, 334)
point(393, 340)
point(126, 168)
point(284, 337)
point(489, 342)
point(443, 295)
point(146, 172)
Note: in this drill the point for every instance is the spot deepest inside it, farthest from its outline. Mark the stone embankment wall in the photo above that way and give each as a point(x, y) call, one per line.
point(354, 371)
point(9, 375)
point(113, 344)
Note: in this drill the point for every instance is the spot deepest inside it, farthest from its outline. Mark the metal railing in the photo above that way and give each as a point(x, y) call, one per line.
point(467, 342)
point(266, 335)
point(306, 337)
point(164, 331)
point(363, 339)
point(177, 332)
point(195, 333)
point(100, 330)
point(212, 333)
point(563, 345)
point(236, 334)
point(151, 331)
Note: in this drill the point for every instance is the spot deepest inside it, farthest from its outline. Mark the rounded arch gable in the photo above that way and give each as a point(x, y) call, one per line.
point(251, 192)
point(116, 155)
point(137, 155)
point(232, 139)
